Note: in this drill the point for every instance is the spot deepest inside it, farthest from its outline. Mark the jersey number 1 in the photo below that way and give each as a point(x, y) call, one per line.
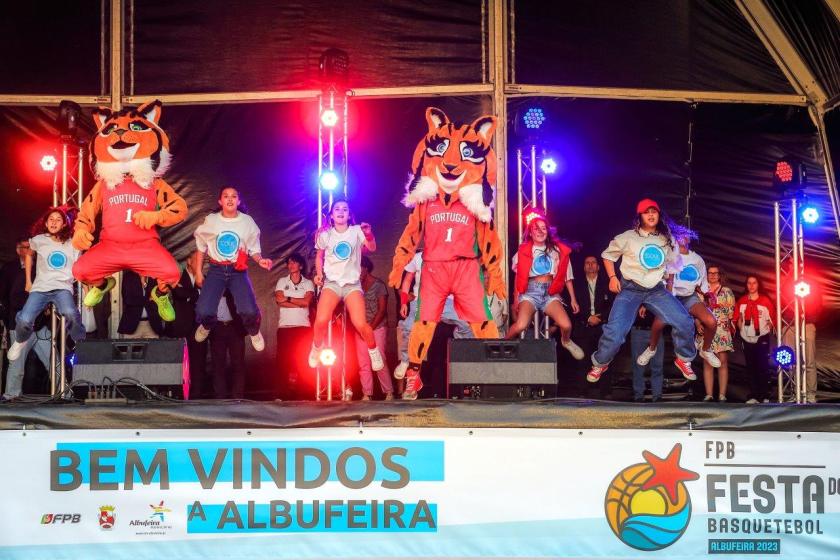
point(448, 235)
point(128, 216)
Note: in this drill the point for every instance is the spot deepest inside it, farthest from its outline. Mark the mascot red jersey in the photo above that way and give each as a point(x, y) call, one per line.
point(451, 195)
point(129, 153)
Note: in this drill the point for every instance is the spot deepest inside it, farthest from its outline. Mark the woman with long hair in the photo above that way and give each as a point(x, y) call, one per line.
point(721, 301)
point(754, 317)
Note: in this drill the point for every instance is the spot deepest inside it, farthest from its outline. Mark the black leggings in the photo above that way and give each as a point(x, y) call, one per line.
point(756, 356)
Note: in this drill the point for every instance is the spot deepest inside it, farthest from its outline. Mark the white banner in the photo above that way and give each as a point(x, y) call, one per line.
point(385, 493)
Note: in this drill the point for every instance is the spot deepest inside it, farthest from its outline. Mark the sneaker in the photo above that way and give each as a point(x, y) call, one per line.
point(376, 362)
point(710, 358)
point(708, 398)
point(752, 401)
point(765, 401)
point(595, 373)
point(389, 396)
point(412, 386)
point(314, 354)
point(399, 372)
point(685, 369)
point(95, 294)
point(575, 350)
point(201, 333)
point(15, 350)
point(365, 397)
point(258, 342)
point(722, 398)
point(164, 305)
point(645, 357)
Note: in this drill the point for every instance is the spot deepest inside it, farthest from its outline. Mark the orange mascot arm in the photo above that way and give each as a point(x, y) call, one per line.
point(407, 245)
point(85, 223)
point(490, 251)
point(173, 208)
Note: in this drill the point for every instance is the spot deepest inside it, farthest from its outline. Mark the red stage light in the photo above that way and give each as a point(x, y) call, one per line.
point(784, 172)
point(329, 118)
point(49, 163)
point(802, 289)
point(327, 357)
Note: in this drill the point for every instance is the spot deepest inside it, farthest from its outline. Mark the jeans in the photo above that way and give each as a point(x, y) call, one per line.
point(35, 305)
point(40, 342)
point(365, 372)
point(225, 277)
point(537, 295)
point(462, 328)
point(756, 358)
point(639, 341)
point(623, 314)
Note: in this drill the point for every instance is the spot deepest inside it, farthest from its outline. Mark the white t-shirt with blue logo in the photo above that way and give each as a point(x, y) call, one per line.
point(54, 265)
point(644, 256)
point(222, 238)
point(690, 275)
point(544, 262)
point(342, 254)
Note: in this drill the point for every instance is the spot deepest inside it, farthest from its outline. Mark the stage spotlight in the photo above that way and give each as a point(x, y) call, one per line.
point(69, 114)
point(327, 357)
point(548, 166)
point(533, 118)
point(788, 175)
point(802, 289)
point(783, 356)
point(49, 163)
point(328, 180)
point(334, 66)
point(810, 215)
point(329, 118)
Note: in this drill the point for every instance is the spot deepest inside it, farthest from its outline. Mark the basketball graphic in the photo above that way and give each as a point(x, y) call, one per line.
point(647, 504)
point(342, 250)
point(57, 260)
point(689, 274)
point(652, 256)
point(227, 243)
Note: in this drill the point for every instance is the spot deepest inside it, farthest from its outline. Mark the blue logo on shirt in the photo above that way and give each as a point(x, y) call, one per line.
point(342, 250)
point(57, 260)
point(652, 256)
point(542, 265)
point(689, 274)
point(227, 244)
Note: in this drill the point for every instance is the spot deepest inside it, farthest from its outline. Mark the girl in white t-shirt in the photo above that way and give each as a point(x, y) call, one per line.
point(51, 242)
point(229, 237)
point(338, 270)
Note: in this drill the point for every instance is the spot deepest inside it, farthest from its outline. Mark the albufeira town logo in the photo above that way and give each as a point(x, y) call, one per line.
point(647, 504)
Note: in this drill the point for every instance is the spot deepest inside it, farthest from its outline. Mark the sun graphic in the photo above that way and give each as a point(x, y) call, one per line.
point(647, 504)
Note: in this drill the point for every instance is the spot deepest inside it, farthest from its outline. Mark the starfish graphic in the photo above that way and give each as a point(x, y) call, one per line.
point(667, 472)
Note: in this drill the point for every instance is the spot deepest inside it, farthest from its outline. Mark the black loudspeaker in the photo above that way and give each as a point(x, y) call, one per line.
point(502, 369)
point(151, 361)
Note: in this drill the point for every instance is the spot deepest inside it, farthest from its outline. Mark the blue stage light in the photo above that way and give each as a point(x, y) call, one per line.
point(784, 356)
point(533, 118)
point(548, 166)
point(810, 215)
point(329, 180)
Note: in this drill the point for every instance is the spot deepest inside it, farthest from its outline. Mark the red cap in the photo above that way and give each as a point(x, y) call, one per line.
point(646, 203)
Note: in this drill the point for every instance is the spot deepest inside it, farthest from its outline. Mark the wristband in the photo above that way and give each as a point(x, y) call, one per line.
point(403, 298)
point(369, 236)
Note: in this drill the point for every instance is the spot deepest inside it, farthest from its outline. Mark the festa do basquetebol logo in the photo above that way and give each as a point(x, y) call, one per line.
point(647, 504)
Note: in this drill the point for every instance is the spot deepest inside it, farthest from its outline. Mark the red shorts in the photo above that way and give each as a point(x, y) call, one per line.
point(146, 258)
point(461, 278)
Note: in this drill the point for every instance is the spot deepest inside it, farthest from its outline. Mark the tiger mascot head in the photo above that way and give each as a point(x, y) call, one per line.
point(455, 161)
point(129, 142)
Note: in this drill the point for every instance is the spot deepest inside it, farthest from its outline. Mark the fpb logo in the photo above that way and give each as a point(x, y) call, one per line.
point(54, 518)
point(689, 274)
point(647, 504)
point(652, 256)
point(57, 260)
point(227, 243)
point(342, 250)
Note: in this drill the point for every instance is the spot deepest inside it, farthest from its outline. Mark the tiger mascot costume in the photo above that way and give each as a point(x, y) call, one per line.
point(450, 196)
point(128, 154)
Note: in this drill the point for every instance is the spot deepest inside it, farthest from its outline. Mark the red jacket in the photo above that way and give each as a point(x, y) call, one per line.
point(525, 258)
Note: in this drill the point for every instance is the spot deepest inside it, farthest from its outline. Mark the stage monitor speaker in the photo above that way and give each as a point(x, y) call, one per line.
point(152, 361)
point(509, 369)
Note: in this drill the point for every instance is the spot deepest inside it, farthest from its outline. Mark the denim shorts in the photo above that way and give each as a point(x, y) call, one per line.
point(345, 290)
point(689, 300)
point(537, 295)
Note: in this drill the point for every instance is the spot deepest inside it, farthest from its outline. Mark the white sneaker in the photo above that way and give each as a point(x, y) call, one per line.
point(722, 398)
point(575, 350)
point(376, 362)
point(314, 354)
point(752, 401)
point(399, 372)
point(645, 357)
point(258, 342)
point(201, 333)
point(710, 358)
point(708, 398)
point(15, 350)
